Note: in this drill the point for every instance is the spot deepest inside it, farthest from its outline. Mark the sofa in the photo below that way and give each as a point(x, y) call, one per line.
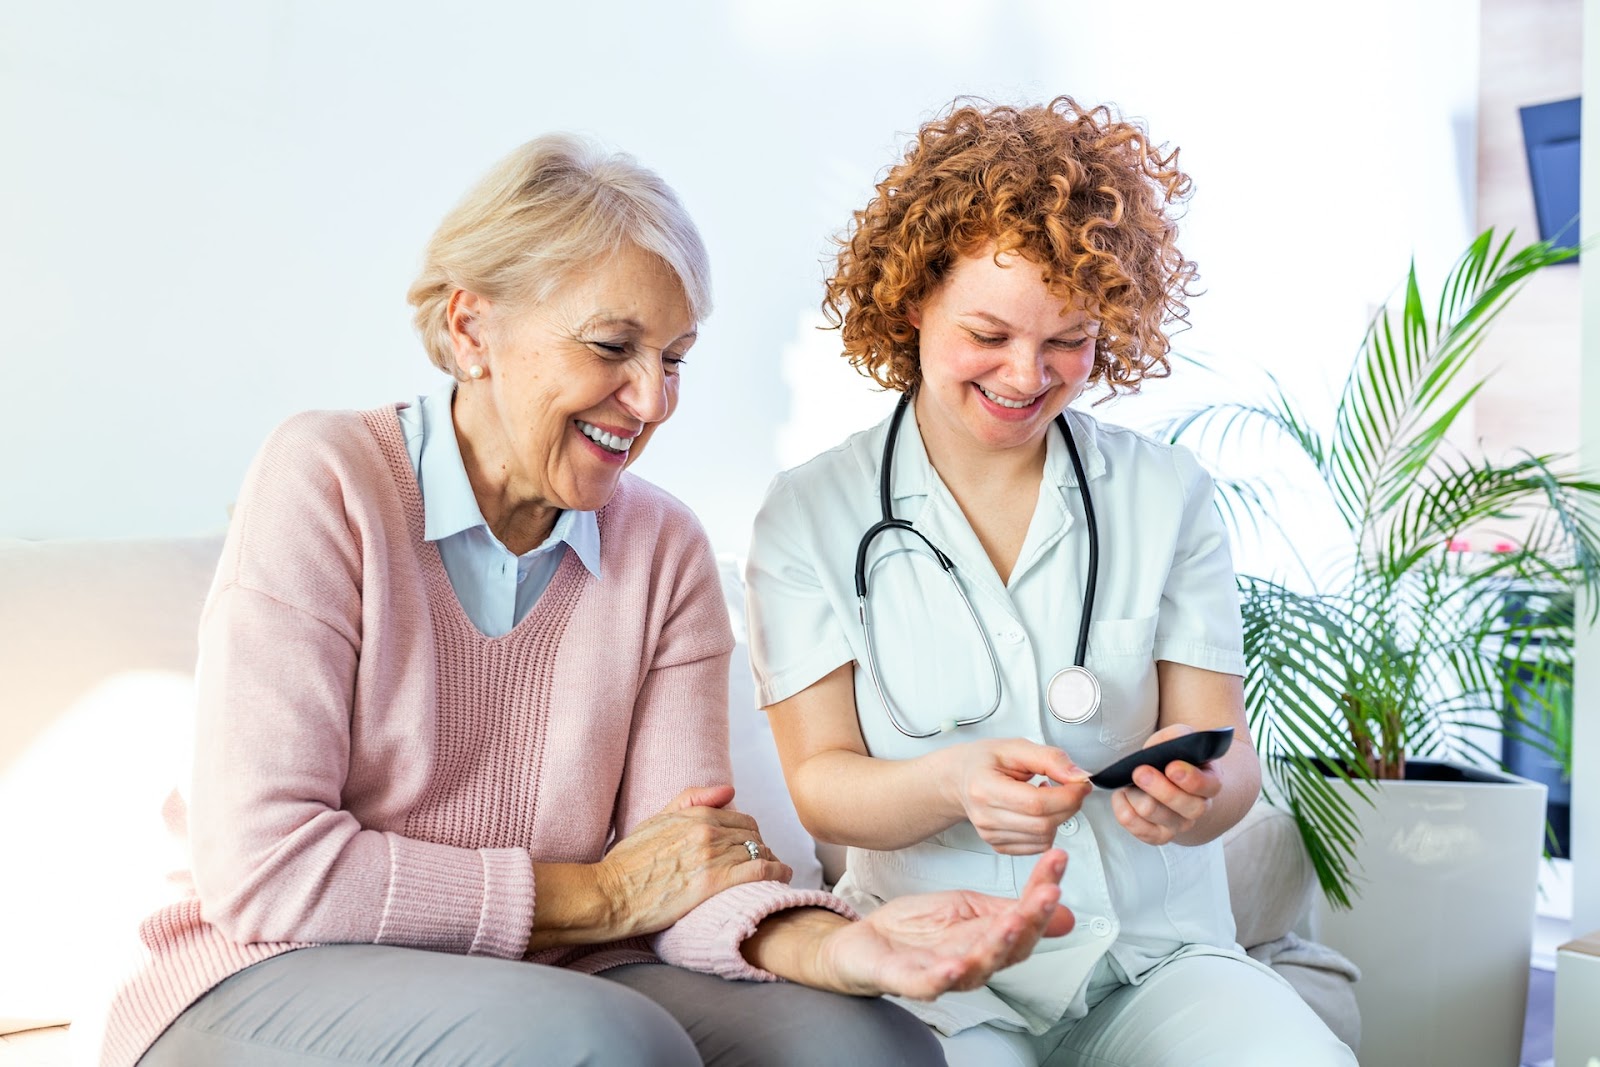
point(97, 646)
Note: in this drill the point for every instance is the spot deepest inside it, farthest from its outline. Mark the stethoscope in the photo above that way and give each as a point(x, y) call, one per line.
point(1073, 694)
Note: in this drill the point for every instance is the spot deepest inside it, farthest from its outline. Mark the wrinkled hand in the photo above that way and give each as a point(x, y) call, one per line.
point(990, 780)
point(1165, 802)
point(675, 861)
point(929, 943)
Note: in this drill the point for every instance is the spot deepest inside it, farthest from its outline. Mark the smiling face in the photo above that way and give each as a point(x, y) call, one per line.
point(1000, 357)
point(572, 388)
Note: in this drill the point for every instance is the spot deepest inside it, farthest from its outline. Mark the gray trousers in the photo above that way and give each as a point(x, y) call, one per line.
point(377, 1004)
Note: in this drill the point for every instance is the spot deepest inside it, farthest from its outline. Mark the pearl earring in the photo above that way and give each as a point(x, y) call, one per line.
point(475, 371)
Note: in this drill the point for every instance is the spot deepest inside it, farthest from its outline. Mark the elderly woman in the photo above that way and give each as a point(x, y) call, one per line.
point(462, 689)
point(956, 612)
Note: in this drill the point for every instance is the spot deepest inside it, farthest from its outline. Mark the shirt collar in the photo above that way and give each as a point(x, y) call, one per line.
point(448, 506)
point(582, 535)
point(913, 473)
point(1058, 462)
point(448, 503)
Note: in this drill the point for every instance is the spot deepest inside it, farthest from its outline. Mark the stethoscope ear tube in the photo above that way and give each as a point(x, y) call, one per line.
point(1081, 655)
point(891, 524)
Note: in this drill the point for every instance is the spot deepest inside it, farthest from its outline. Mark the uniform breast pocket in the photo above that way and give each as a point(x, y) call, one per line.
point(1121, 654)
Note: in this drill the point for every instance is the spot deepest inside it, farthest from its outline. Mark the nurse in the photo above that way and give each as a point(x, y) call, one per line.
point(1015, 258)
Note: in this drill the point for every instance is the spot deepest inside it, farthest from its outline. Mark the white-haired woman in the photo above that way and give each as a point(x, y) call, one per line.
point(462, 688)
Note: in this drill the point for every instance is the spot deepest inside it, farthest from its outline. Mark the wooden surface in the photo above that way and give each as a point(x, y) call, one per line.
point(35, 1048)
point(1588, 945)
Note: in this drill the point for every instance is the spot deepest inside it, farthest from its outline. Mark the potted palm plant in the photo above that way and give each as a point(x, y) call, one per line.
point(1375, 685)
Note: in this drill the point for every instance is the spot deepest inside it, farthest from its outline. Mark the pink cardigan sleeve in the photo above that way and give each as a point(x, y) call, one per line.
point(680, 739)
point(276, 857)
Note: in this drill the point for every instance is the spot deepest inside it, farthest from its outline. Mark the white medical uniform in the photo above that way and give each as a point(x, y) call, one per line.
point(1165, 592)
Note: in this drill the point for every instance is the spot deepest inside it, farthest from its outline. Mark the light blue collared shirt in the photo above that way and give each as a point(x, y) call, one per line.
point(496, 587)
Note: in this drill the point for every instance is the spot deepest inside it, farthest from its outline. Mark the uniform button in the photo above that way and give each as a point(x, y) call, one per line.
point(1069, 827)
point(1100, 926)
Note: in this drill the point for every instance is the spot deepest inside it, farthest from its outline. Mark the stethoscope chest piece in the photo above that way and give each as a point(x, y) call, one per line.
point(1073, 695)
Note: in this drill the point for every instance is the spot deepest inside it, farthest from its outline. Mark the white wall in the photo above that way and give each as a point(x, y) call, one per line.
point(209, 213)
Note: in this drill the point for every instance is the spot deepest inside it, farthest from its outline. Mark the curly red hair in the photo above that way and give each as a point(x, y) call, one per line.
point(1078, 191)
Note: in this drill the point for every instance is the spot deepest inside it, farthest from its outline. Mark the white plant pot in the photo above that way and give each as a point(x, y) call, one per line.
point(1443, 927)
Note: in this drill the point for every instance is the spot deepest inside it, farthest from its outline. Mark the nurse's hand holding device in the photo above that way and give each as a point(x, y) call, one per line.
point(1165, 787)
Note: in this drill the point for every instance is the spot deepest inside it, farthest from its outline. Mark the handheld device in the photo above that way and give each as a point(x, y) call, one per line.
point(1197, 748)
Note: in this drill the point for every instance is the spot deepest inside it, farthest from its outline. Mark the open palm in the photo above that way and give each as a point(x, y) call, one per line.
point(925, 944)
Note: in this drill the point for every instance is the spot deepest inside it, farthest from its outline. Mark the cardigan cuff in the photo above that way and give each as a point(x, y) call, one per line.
point(505, 924)
point(708, 938)
point(456, 899)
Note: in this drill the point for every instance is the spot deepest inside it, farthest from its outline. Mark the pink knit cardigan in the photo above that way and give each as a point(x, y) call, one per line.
point(371, 768)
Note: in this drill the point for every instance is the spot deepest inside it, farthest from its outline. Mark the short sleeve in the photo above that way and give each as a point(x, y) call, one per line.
point(796, 634)
point(1199, 622)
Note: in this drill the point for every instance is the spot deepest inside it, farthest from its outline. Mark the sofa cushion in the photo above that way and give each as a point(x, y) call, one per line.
point(76, 613)
point(1270, 877)
point(1331, 995)
point(97, 646)
point(759, 787)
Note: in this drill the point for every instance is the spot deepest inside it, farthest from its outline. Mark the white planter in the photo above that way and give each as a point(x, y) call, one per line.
point(1443, 927)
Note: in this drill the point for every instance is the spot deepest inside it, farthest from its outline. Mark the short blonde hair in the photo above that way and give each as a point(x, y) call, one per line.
point(553, 206)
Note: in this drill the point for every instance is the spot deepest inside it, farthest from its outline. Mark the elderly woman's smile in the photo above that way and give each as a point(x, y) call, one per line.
point(611, 444)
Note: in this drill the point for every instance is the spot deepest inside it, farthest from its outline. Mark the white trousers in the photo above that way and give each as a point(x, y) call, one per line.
point(1194, 1011)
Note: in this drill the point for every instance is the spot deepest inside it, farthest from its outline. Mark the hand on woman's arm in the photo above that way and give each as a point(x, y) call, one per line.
point(1181, 802)
point(671, 863)
point(915, 946)
point(845, 796)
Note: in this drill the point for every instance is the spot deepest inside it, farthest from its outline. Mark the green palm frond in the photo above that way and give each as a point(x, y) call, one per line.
point(1396, 404)
point(1401, 650)
point(1454, 494)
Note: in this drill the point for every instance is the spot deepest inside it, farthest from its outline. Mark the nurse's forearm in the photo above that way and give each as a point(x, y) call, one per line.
point(847, 798)
point(1205, 699)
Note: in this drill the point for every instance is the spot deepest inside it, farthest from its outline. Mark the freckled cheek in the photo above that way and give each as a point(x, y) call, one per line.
point(955, 359)
point(1078, 367)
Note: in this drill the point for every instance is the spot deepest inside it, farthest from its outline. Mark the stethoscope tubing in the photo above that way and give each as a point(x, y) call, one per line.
point(888, 521)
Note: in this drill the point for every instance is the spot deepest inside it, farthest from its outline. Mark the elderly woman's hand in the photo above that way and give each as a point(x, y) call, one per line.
point(925, 944)
point(916, 946)
point(674, 861)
